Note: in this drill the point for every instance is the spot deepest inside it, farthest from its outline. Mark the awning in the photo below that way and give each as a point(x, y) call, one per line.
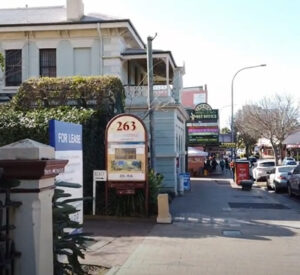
point(193, 152)
point(293, 139)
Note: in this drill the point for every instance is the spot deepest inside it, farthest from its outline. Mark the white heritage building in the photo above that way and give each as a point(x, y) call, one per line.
point(62, 41)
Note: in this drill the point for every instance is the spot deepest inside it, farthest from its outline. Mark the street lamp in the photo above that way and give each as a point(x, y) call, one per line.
point(232, 128)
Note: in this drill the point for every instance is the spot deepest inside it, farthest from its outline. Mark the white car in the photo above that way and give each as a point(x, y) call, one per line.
point(279, 177)
point(259, 172)
point(286, 160)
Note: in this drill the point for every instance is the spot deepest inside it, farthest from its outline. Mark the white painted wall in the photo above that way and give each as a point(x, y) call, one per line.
point(75, 55)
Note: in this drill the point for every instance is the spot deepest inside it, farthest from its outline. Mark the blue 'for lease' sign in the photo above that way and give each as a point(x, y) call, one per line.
point(65, 136)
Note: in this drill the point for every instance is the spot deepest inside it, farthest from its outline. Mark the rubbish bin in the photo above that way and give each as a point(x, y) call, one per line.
point(187, 181)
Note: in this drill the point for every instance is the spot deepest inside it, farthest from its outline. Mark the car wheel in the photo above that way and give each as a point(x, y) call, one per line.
point(268, 185)
point(289, 189)
point(276, 189)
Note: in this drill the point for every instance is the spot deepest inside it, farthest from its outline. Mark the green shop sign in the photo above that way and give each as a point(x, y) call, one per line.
point(204, 113)
point(204, 140)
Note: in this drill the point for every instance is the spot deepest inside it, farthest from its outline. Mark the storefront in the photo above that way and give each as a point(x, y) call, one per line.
point(292, 143)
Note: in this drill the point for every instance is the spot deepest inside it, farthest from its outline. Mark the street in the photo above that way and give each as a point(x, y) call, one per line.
point(220, 229)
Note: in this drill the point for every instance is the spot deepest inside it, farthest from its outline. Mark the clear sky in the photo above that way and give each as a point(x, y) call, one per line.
point(215, 38)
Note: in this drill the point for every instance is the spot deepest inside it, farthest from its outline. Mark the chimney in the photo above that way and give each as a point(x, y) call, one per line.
point(75, 10)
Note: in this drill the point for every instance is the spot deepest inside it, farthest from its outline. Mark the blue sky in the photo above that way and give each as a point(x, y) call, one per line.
point(217, 38)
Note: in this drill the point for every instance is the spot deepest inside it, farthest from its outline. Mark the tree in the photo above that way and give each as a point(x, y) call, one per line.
point(245, 138)
point(271, 118)
point(225, 130)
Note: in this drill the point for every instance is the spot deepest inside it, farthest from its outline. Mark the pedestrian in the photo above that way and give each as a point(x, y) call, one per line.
point(232, 166)
point(214, 164)
point(227, 168)
point(207, 167)
point(222, 165)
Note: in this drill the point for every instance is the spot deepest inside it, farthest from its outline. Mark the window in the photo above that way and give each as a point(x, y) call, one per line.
point(13, 67)
point(267, 164)
point(297, 170)
point(48, 62)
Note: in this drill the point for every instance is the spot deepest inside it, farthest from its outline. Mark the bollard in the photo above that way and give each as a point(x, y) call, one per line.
point(164, 215)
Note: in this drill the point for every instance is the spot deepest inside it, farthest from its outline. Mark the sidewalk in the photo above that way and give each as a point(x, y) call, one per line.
point(208, 237)
point(116, 239)
point(179, 247)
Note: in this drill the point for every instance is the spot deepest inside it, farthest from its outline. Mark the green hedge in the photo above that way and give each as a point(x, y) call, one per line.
point(97, 100)
point(17, 125)
point(102, 92)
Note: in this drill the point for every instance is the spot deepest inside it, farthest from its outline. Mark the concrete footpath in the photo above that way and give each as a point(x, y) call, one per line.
point(210, 236)
point(216, 232)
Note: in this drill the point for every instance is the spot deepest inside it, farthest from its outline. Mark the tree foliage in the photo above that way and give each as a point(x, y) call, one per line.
point(271, 118)
point(68, 240)
point(225, 131)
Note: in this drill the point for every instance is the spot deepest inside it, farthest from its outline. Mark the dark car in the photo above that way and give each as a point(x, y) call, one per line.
point(252, 160)
point(293, 184)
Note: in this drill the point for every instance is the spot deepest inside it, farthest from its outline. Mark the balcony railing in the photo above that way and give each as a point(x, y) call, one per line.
point(142, 91)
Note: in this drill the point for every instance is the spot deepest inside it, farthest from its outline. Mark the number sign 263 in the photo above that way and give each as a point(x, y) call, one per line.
point(126, 126)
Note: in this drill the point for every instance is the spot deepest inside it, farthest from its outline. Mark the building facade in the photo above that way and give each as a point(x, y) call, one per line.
point(62, 41)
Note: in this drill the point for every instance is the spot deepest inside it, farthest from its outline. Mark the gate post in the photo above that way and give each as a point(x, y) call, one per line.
point(33, 164)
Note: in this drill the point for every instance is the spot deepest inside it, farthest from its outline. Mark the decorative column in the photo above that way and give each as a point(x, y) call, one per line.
point(33, 164)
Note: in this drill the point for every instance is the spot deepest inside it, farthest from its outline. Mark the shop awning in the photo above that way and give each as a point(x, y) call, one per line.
point(193, 152)
point(293, 139)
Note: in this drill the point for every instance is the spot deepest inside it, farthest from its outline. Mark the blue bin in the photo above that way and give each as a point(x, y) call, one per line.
point(186, 181)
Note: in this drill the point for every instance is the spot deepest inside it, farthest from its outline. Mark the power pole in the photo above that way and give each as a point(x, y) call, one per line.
point(150, 101)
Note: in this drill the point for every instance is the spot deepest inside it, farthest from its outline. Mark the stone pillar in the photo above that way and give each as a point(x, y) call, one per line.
point(34, 165)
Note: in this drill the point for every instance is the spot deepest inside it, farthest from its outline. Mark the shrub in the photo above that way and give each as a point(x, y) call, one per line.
point(68, 241)
point(132, 205)
point(102, 92)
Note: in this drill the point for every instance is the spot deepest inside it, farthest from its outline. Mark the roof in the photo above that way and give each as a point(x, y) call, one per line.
point(42, 15)
point(129, 52)
point(56, 15)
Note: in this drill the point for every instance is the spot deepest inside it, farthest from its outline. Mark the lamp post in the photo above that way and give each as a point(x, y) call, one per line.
point(232, 121)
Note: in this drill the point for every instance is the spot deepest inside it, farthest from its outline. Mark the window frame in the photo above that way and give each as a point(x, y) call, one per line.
point(47, 64)
point(14, 66)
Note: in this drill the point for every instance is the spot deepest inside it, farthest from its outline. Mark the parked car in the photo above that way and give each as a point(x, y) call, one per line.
point(278, 177)
point(291, 162)
point(293, 184)
point(286, 160)
point(259, 172)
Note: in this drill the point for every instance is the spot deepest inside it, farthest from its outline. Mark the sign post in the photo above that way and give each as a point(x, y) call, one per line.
point(98, 175)
point(126, 156)
point(66, 138)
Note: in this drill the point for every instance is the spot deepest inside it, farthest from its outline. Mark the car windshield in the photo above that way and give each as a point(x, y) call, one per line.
point(267, 164)
point(285, 169)
point(291, 163)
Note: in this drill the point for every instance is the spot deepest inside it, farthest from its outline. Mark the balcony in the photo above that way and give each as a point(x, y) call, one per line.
point(138, 95)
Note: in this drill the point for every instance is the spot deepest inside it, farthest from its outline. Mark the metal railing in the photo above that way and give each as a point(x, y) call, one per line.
point(8, 252)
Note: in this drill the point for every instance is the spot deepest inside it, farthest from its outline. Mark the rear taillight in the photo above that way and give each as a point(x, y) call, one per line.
point(282, 178)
